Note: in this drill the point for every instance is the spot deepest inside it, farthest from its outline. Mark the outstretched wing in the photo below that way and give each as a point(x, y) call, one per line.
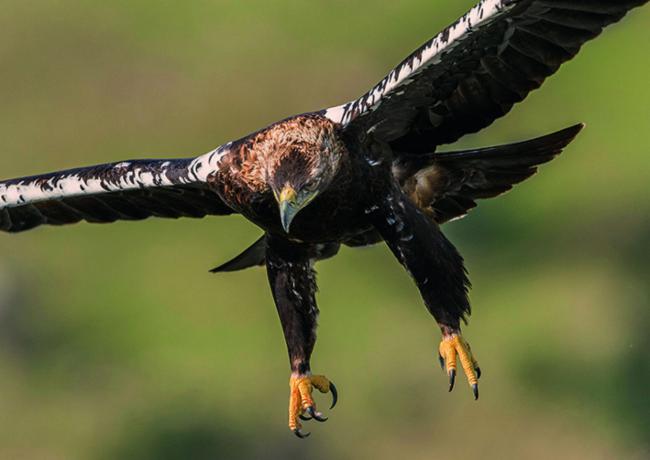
point(129, 190)
point(476, 70)
point(447, 185)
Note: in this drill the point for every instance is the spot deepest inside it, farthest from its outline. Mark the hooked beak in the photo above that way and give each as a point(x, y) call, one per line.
point(291, 203)
point(289, 206)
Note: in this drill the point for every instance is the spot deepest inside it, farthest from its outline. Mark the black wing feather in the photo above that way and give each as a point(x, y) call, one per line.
point(131, 190)
point(447, 185)
point(476, 70)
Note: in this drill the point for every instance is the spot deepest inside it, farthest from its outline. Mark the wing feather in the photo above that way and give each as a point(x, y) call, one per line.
point(128, 190)
point(474, 71)
point(447, 185)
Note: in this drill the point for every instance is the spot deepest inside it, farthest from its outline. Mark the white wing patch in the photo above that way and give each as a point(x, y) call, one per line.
point(484, 12)
point(63, 185)
point(201, 167)
point(123, 176)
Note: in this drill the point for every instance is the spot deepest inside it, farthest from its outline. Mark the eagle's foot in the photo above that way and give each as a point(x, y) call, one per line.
point(301, 403)
point(454, 346)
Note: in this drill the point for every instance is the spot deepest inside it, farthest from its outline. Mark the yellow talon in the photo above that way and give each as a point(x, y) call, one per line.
point(301, 403)
point(453, 346)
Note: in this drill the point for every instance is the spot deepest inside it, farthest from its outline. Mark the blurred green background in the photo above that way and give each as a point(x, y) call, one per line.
point(115, 342)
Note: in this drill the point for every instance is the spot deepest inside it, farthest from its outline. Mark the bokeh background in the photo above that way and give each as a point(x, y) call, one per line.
point(115, 342)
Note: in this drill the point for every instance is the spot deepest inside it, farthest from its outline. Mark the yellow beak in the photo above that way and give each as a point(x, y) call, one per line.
point(289, 206)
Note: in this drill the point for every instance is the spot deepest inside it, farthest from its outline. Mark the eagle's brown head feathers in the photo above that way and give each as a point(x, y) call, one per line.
point(300, 157)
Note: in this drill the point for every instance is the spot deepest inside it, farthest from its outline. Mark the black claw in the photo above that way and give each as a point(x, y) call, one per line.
point(478, 372)
point(335, 395)
point(452, 379)
point(475, 390)
point(442, 361)
point(316, 415)
point(300, 434)
point(303, 418)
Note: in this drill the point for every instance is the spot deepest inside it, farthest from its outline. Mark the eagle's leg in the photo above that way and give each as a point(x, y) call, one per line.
point(438, 271)
point(293, 283)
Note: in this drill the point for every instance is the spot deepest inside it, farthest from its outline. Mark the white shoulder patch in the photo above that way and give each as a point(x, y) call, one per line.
point(485, 11)
point(201, 167)
point(123, 176)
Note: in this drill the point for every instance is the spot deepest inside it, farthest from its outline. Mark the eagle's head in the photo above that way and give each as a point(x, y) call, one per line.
point(296, 181)
point(303, 165)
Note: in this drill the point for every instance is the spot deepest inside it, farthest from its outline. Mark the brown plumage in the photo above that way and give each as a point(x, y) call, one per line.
point(307, 146)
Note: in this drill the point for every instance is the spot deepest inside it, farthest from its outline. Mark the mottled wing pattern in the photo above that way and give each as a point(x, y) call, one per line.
point(447, 185)
point(129, 190)
point(476, 70)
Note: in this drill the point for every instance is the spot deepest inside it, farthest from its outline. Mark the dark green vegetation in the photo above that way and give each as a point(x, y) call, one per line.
point(117, 343)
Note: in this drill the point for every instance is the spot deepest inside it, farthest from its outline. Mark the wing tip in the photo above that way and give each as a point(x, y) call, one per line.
point(254, 255)
point(564, 137)
point(575, 129)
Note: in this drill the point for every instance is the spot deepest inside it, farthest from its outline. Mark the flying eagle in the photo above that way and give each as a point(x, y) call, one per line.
point(357, 174)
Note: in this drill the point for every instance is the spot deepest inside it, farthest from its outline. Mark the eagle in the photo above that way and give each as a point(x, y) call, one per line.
point(358, 174)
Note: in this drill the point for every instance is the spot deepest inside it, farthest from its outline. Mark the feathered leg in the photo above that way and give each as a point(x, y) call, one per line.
point(438, 270)
point(293, 283)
